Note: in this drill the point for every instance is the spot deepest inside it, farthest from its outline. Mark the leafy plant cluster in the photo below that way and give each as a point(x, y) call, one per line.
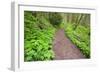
point(80, 36)
point(38, 38)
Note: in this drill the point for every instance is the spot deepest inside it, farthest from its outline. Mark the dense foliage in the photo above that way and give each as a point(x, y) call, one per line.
point(37, 39)
point(81, 37)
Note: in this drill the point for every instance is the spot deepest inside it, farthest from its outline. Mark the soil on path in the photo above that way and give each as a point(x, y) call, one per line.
point(64, 48)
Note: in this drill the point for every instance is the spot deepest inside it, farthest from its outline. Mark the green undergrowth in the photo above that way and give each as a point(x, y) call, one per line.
point(38, 37)
point(80, 37)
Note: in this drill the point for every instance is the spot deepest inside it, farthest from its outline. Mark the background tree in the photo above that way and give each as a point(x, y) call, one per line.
point(55, 18)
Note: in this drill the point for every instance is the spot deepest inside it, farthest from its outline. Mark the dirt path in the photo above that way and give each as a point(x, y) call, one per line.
point(64, 48)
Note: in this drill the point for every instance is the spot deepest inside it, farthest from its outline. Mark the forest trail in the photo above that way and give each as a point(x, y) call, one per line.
point(64, 48)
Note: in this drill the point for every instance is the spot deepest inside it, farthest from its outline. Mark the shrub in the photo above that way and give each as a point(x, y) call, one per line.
point(80, 37)
point(37, 41)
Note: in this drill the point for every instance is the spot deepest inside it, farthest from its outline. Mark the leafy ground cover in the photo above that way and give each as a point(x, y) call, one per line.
point(80, 37)
point(38, 38)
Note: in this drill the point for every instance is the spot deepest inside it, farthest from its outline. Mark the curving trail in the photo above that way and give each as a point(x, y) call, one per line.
point(64, 48)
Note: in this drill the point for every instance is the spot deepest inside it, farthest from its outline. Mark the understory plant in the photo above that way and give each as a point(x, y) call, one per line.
point(37, 39)
point(80, 37)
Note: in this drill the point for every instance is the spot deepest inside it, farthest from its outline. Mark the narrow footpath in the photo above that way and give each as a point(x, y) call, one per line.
point(64, 48)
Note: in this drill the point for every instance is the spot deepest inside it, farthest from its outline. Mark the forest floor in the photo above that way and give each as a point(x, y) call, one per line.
point(64, 48)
